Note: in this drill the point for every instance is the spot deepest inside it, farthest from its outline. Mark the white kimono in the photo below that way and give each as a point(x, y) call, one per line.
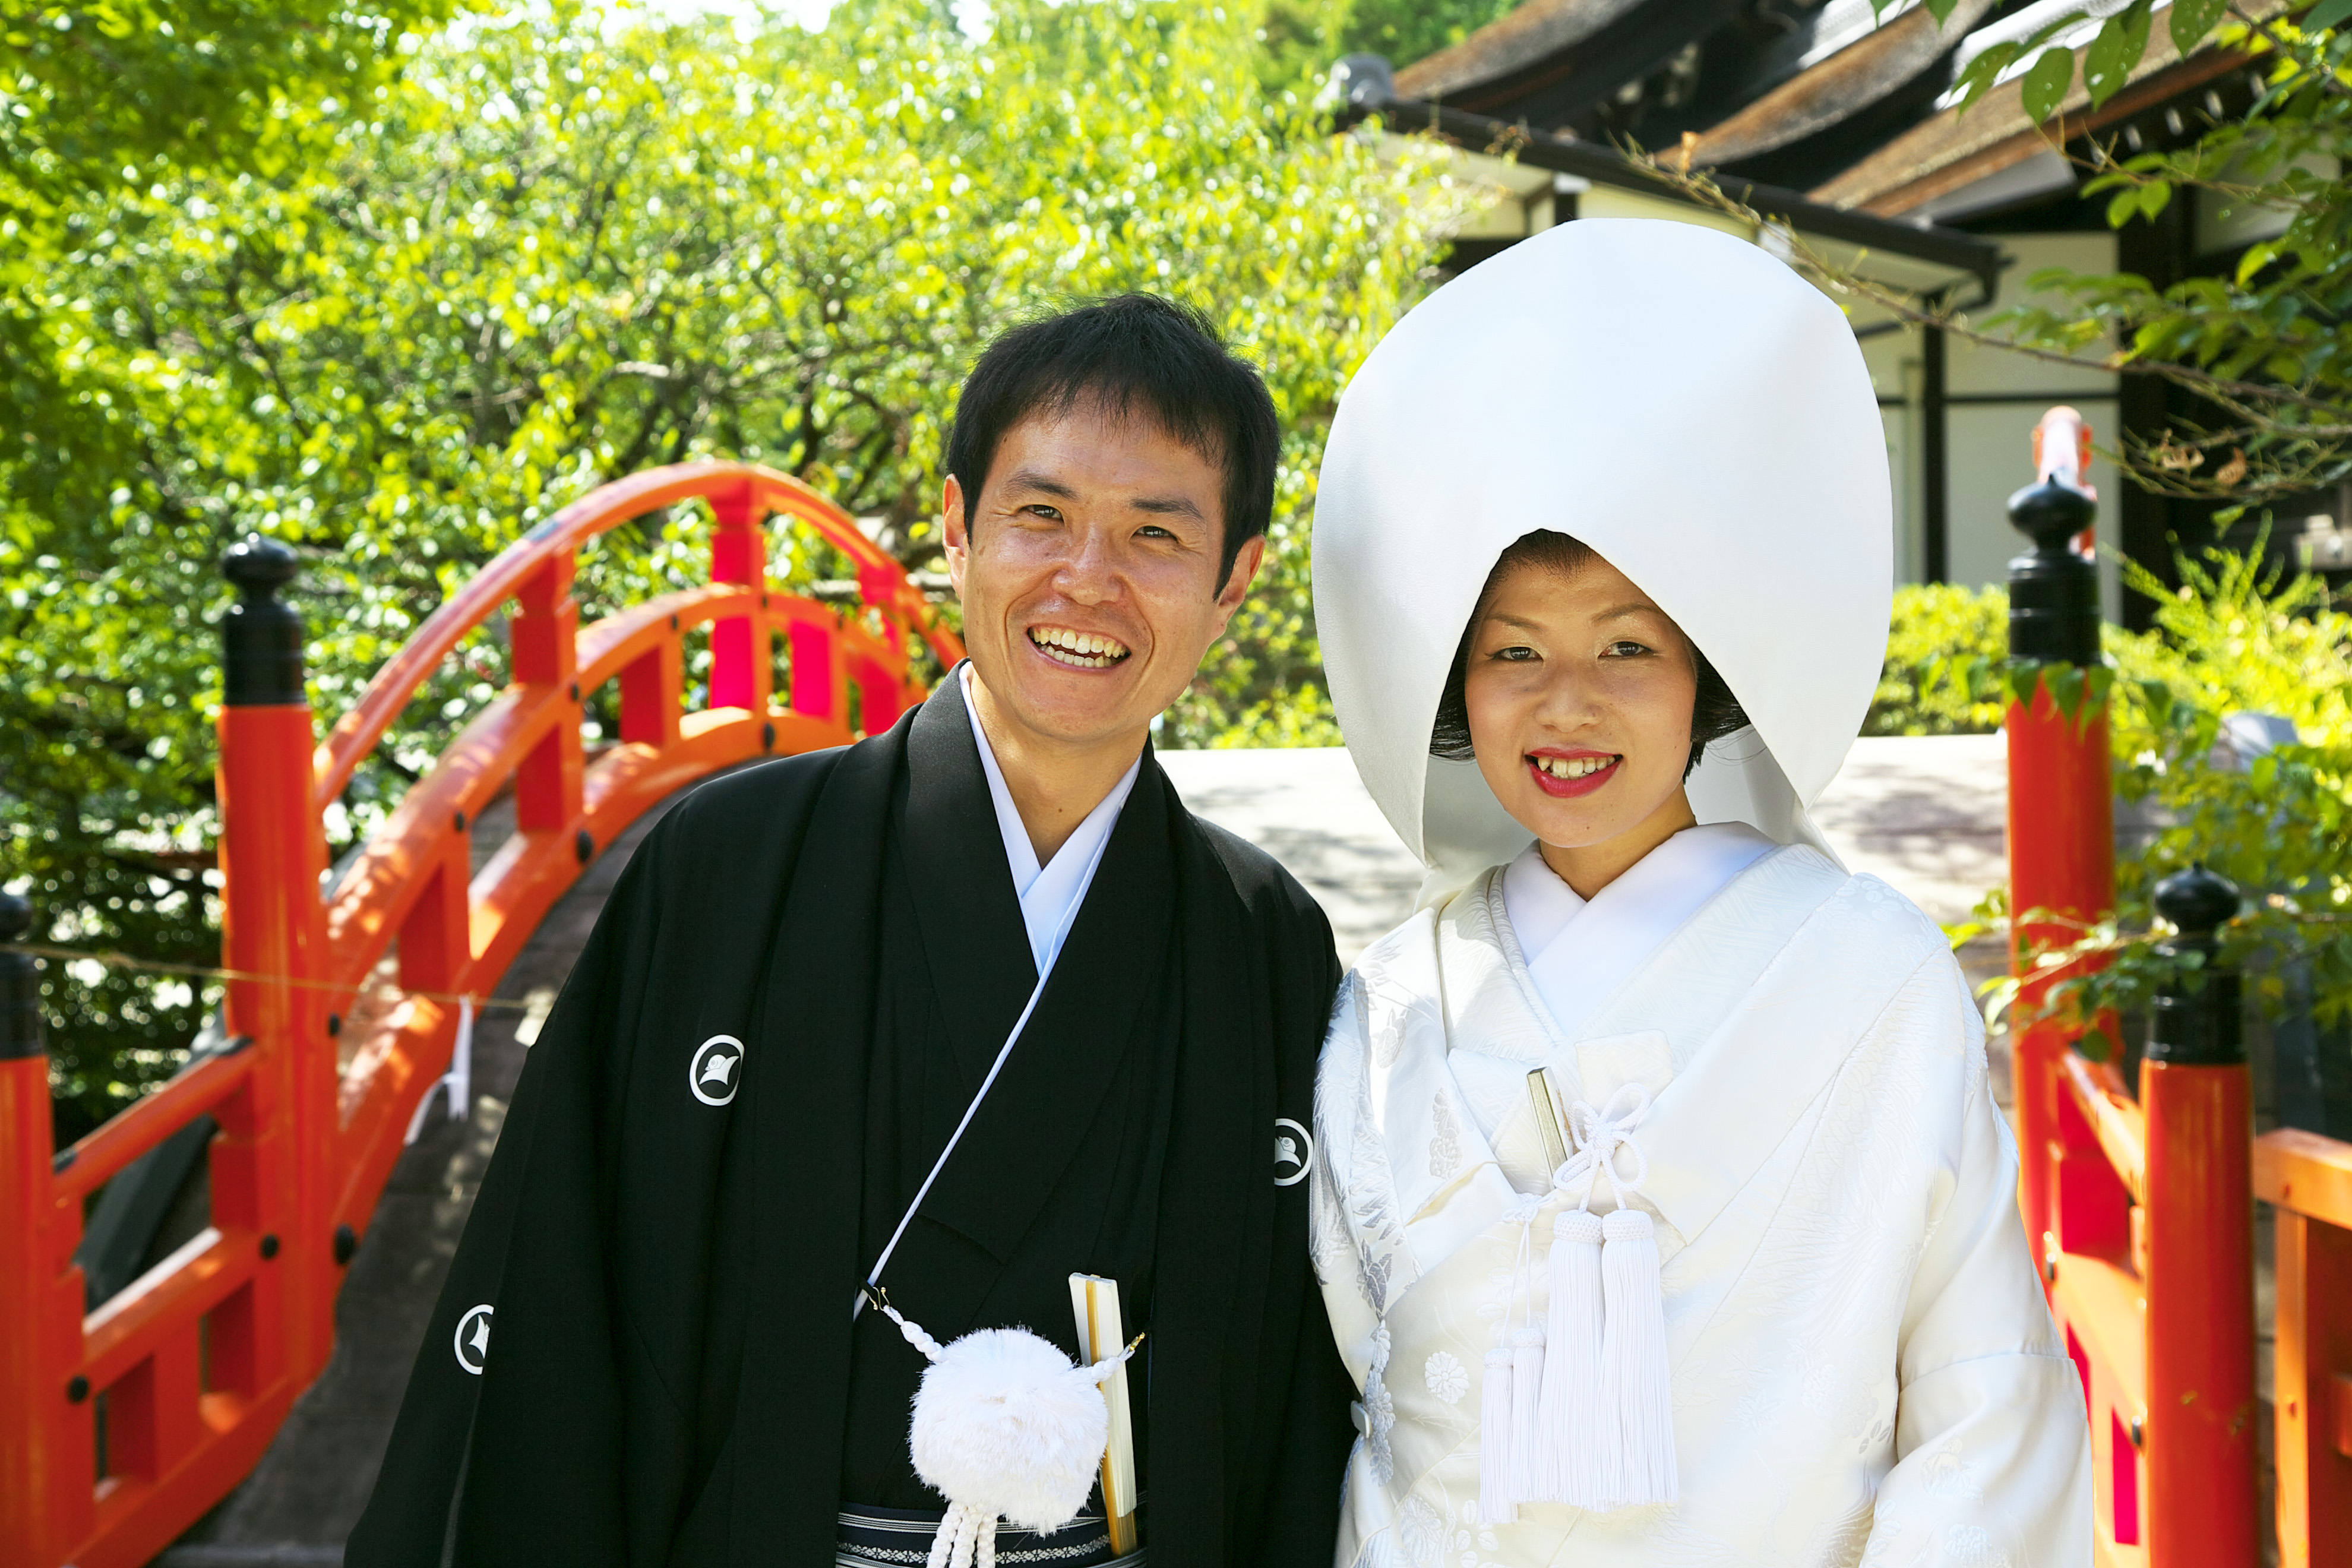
point(1863, 1369)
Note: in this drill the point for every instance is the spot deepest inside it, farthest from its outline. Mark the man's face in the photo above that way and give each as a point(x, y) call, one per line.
point(1087, 569)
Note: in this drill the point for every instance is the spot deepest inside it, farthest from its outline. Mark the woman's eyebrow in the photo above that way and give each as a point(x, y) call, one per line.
point(1623, 610)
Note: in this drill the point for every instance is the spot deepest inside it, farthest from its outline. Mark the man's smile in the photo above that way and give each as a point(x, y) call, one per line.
point(1078, 649)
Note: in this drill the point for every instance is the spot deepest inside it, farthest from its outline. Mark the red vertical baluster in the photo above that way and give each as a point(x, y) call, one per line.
point(2201, 1503)
point(740, 675)
point(2061, 795)
point(544, 636)
point(272, 926)
point(45, 1441)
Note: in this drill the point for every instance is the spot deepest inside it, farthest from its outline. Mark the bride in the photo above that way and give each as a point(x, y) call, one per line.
point(1663, 1211)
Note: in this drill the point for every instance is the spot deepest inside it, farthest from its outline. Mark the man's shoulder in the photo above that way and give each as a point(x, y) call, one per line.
point(746, 824)
point(1267, 890)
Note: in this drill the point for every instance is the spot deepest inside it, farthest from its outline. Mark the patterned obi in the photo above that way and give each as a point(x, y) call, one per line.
point(897, 1537)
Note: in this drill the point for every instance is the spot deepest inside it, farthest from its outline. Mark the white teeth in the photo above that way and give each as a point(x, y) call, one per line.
point(1572, 768)
point(1081, 650)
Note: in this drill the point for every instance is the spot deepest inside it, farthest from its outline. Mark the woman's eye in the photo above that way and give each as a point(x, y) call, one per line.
point(1624, 649)
point(1516, 652)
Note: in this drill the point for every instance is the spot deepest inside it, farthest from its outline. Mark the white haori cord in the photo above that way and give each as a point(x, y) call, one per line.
point(1581, 1411)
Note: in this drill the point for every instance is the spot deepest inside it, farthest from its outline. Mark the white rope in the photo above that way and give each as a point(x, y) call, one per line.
point(1600, 1137)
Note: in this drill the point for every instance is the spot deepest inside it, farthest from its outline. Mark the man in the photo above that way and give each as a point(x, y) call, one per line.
point(797, 990)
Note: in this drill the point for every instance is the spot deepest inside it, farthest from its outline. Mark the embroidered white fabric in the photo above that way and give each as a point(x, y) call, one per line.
point(1862, 1369)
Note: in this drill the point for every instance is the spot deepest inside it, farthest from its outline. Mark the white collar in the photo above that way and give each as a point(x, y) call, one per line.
point(1579, 951)
point(1047, 893)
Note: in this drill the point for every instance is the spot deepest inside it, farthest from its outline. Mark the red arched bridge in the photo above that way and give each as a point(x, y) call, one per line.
point(196, 1361)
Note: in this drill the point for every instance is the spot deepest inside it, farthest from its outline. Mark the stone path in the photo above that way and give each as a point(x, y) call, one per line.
point(1924, 815)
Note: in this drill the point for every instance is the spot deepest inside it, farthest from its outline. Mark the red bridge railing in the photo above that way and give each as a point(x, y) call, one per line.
point(196, 1363)
point(2138, 1194)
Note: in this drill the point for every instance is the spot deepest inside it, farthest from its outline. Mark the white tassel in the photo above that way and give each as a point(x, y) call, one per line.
point(1572, 1347)
point(1636, 1386)
point(1495, 1503)
point(1530, 1478)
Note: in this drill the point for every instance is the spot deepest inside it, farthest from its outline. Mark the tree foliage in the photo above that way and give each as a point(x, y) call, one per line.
point(559, 249)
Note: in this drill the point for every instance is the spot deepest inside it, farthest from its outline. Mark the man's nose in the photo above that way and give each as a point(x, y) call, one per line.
point(1090, 573)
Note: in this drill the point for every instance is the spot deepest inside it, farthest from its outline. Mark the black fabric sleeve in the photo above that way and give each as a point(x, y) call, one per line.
point(416, 1516)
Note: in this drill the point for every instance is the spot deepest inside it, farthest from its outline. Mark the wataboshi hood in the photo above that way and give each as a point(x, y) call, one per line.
point(1680, 400)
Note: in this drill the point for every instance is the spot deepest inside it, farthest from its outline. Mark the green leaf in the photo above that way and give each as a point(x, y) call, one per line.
point(2191, 19)
point(2326, 14)
point(2122, 207)
point(2154, 197)
point(2066, 683)
point(2107, 64)
point(2024, 676)
point(2046, 82)
point(2094, 1044)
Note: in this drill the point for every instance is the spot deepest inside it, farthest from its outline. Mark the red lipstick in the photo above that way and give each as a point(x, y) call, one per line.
point(1563, 789)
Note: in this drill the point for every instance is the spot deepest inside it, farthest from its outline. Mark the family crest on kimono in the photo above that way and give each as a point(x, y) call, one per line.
point(1662, 1210)
point(894, 1076)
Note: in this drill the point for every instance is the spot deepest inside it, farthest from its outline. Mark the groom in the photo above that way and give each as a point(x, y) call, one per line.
point(644, 1354)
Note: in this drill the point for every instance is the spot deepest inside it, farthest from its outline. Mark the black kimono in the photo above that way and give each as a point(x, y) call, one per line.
point(798, 983)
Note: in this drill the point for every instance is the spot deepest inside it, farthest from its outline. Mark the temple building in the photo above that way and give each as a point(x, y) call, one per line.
point(1834, 122)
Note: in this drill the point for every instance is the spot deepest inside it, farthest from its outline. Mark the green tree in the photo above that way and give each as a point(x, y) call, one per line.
point(557, 250)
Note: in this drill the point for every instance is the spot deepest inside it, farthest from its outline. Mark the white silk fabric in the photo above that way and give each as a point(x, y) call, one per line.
point(1579, 952)
point(1681, 402)
point(1863, 1368)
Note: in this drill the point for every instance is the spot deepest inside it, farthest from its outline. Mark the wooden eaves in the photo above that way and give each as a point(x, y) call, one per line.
point(1371, 95)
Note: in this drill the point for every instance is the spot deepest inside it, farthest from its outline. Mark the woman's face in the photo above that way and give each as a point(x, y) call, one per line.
point(1578, 692)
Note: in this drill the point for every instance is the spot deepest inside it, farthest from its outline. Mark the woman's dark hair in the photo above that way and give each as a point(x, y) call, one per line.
point(1715, 711)
point(1138, 353)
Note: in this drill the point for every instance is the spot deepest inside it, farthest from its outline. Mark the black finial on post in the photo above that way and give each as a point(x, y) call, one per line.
point(261, 637)
point(2053, 594)
point(20, 985)
point(2196, 1027)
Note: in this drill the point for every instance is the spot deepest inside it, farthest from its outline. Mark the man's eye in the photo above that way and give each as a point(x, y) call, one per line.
point(1153, 530)
point(1039, 508)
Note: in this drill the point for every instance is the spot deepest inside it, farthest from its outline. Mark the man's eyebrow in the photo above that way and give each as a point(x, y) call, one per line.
point(1031, 479)
point(1181, 506)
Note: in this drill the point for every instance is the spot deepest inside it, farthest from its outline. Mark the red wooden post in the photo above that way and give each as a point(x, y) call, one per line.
point(272, 925)
point(544, 631)
point(740, 673)
point(40, 1323)
point(2201, 1506)
point(2061, 792)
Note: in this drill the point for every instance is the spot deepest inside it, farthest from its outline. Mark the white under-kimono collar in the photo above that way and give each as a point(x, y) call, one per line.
point(1579, 952)
point(1050, 891)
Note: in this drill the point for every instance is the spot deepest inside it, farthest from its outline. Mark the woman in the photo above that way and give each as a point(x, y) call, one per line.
point(1663, 1212)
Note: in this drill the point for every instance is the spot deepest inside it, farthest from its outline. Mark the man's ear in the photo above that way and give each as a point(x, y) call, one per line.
point(1237, 581)
point(957, 531)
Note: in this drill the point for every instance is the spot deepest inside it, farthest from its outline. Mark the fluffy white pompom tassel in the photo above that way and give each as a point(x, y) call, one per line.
point(1004, 1426)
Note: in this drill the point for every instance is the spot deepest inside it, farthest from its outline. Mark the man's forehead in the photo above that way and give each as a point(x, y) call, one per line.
point(1066, 451)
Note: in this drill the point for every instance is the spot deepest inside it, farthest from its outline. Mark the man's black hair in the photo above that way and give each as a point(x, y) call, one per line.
point(1715, 711)
point(1136, 355)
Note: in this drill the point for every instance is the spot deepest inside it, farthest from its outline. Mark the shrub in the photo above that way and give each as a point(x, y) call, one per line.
point(1937, 630)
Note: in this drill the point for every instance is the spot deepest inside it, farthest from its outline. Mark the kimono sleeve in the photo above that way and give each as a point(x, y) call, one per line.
point(535, 1237)
point(1992, 1442)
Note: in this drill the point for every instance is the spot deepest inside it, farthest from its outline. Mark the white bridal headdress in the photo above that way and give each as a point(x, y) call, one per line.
point(1680, 400)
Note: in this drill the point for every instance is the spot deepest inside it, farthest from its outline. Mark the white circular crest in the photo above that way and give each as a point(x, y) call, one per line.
point(472, 1339)
point(717, 1067)
point(1294, 1154)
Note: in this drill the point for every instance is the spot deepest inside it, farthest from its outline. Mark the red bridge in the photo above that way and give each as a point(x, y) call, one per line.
point(196, 1363)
